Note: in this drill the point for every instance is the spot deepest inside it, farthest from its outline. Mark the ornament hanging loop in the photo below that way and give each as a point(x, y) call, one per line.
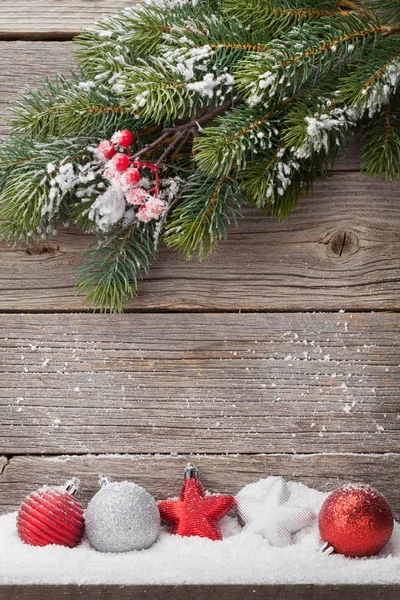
point(104, 480)
point(72, 486)
point(191, 472)
point(326, 548)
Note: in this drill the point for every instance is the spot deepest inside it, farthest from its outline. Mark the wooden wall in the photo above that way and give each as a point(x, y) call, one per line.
point(279, 355)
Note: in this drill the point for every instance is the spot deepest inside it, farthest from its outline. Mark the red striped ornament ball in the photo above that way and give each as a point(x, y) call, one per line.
point(51, 515)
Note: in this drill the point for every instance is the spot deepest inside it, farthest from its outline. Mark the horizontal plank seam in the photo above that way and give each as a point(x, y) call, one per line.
point(3, 467)
point(195, 311)
point(10, 457)
point(31, 36)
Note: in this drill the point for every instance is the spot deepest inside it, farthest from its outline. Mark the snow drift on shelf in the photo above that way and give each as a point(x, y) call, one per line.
point(240, 558)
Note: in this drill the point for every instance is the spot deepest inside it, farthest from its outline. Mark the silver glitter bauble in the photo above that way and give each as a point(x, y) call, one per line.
point(122, 517)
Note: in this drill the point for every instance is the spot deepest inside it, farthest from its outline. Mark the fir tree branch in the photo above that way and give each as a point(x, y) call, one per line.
point(279, 16)
point(114, 266)
point(36, 180)
point(206, 208)
point(69, 107)
point(137, 32)
point(381, 142)
point(308, 55)
point(370, 83)
point(236, 138)
point(390, 9)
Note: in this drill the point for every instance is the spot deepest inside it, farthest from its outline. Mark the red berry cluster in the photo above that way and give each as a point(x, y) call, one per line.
point(123, 170)
point(119, 160)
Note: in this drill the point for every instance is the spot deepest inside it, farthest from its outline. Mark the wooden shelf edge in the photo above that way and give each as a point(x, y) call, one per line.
point(200, 592)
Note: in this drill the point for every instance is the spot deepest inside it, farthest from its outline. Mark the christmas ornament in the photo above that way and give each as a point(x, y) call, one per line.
point(264, 508)
point(122, 516)
point(355, 520)
point(51, 515)
point(195, 513)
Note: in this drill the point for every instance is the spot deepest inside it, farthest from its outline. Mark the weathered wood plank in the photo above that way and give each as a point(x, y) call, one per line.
point(199, 383)
point(26, 63)
point(3, 463)
point(51, 18)
point(162, 475)
point(340, 248)
point(201, 592)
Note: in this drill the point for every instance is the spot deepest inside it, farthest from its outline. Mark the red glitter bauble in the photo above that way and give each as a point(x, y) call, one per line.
point(194, 512)
point(51, 516)
point(107, 149)
point(120, 162)
point(356, 520)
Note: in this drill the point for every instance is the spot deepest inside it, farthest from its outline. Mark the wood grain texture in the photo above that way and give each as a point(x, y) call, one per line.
point(162, 475)
point(339, 249)
point(25, 64)
point(53, 18)
point(199, 383)
point(201, 592)
point(3, 463)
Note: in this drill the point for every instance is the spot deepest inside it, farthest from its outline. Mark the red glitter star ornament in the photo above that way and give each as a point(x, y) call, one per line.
point(194, 512)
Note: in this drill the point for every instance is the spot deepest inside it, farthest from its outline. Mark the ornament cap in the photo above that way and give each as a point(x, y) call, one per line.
point(326, 548)
point(191, 472)
point(104, 480)
point(72, 486)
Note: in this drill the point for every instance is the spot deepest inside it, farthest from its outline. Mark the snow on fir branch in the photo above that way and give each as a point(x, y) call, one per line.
point(182, 111)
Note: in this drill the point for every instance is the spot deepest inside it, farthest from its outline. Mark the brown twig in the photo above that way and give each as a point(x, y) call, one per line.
point(171, 146)
point(349, 4)
point(390, 31)
point(184, 128)
point(151, 146)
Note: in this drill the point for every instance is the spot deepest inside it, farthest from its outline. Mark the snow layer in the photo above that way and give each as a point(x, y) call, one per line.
point(241, 557)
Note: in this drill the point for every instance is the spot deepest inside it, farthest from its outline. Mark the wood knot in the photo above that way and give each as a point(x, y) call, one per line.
point(342, 244)
point(39, 249)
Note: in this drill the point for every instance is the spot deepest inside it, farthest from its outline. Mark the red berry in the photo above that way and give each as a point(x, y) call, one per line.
point(120, 162)
point(131, 176)
point(106, 148)
point(123, 138)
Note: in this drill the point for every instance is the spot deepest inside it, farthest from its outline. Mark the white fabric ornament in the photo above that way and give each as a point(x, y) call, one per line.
point(263, 507)
point(122, 517)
